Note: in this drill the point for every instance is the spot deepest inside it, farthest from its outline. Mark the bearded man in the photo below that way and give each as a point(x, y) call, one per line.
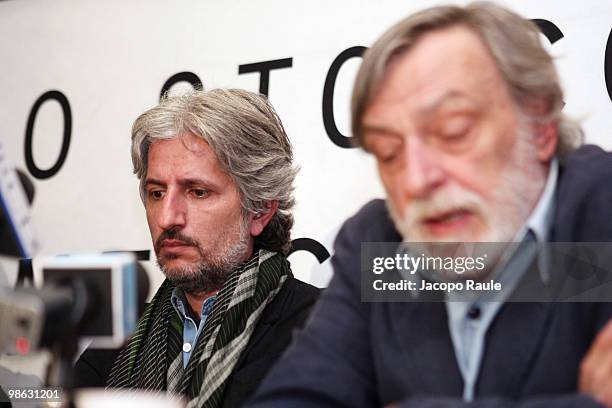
point(216, 179)
point(461, 107)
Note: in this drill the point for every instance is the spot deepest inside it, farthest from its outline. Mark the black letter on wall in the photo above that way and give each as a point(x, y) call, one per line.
point(185, 76)
point(328, 96)
point(264, 69)
point(549, 29)
point(29, 157)
point(310, 245)
point(608, 66)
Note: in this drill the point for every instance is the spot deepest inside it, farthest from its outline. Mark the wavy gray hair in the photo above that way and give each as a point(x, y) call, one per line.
point(514, 43)
point(248, 139)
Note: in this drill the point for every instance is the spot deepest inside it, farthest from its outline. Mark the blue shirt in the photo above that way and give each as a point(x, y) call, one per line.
point(190, 330)
point(468, 329)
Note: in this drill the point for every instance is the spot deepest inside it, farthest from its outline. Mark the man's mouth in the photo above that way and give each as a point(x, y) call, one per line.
point(447, 222)
point(172, 243)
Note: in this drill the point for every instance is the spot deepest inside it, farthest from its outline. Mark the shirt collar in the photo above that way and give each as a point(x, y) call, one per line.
point(540, 220)
point(179, 303)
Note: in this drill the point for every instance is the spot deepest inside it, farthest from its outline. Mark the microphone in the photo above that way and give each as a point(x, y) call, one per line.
point(144, 286)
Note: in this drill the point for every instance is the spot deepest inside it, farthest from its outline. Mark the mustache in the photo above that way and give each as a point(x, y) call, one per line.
point(452, 199)
point(175, 234)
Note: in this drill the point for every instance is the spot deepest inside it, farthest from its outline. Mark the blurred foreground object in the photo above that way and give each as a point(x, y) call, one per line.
point(17, 236)
point(96, 398)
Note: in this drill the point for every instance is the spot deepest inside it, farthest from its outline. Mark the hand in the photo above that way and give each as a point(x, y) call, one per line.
point(596, 368)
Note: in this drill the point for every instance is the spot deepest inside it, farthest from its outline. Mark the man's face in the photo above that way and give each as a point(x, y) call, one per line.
point(456, 159)
point(194, 214)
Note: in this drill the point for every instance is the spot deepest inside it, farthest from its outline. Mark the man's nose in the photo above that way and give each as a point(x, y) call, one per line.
point(173, 211)
point(422, 172)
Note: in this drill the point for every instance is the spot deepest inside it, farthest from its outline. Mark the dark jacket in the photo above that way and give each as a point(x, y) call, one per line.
point(357, 354)
point(272, 335)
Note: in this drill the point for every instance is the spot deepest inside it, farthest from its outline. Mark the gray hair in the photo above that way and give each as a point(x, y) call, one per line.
point(514, 43)
point(247, 137)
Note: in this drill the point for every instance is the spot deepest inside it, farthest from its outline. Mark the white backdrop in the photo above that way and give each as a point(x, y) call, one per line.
point(110, 60)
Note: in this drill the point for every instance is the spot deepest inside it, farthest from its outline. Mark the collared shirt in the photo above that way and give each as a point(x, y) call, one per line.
point(191, 331)
point(469, 317)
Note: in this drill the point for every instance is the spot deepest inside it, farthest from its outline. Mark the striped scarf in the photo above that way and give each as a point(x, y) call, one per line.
point(152, 358)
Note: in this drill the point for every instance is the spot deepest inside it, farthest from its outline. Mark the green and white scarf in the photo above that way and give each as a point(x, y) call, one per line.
point(152, 358)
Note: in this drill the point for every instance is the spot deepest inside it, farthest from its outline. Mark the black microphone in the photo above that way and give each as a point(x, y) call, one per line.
point(143, 288)
point(83, 300)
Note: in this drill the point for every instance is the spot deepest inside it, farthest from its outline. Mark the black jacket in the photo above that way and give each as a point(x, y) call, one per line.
point(357, 354)
point(288, 311)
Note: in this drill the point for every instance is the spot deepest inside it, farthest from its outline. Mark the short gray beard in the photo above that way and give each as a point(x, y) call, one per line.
point(211, 272)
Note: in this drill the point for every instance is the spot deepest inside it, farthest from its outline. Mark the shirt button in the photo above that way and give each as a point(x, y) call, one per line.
point(473, 313)
point(186, 347)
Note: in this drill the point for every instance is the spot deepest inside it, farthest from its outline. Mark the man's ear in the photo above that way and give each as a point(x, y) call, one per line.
point(546, 133)
point(259, 220)
point(546, 140)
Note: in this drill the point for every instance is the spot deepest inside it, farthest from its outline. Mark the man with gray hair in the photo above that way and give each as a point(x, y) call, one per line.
point(216, 179)
point(462, 109)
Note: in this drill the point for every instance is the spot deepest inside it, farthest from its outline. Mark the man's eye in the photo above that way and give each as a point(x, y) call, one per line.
point(385, 146)
point(386, 156)
point(455, 128)
point(199, 192)
point(156, 194)
point(385, 153)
